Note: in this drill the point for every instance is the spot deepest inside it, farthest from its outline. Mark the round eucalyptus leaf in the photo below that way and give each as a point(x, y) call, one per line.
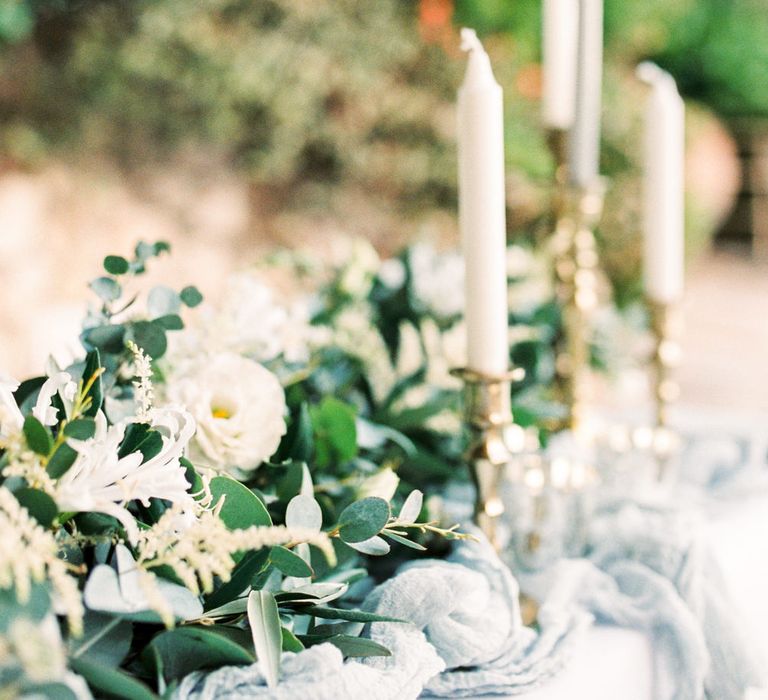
point(106, 288)
point(162, 301)
point(191, 296)
point(363, 519)
point(150, 337)
point(304, 511)
point(116, 265)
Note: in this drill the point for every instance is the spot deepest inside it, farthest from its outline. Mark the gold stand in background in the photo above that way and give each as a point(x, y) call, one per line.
point(577, 280)
point(666, 325)
point(488, 411)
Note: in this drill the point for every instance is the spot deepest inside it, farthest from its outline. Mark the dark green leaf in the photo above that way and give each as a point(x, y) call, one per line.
point(335, 431)
point(26, 394)
point(111, 682)
point(242, 508)
point(192, 477)
point(108, 339)
point(363, 519)
point(170, 322)
point(139, 437)
point(348, 615)
point(350, 646)
point(38, 437)
point(96, 392)
point(150, 337)
point(267, 636)
point(80, 429)
point(39, 504)
point(191, 296)
point(298, 444)
point(106, 639)
point(106, 288)
point(251, 564)
point(290, 563)
point(186, 649)
point(116, 265)
point(290, 641)
point(61, 461)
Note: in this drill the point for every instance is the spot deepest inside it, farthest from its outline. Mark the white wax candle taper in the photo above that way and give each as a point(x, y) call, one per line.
point(560, 30)
point(663, 187)
point(482, 211)
point(584, 153)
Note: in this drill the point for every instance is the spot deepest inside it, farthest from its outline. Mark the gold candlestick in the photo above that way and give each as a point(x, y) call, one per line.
point(488, 416)
point(666, 326)
point(577, 278)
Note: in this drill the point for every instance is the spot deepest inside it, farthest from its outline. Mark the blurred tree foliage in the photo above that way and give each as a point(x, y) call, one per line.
point(718, 52)
point(327, 91)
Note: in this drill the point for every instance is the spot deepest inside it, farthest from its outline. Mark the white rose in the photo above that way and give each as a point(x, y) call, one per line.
point(239, 407)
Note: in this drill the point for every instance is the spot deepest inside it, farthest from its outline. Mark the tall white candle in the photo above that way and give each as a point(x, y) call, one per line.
point(663, 186)
point(560, 30)
point(585, 136)
point(482, 211)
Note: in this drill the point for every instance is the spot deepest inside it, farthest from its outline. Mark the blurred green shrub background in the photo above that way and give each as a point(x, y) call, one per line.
point(311, 99)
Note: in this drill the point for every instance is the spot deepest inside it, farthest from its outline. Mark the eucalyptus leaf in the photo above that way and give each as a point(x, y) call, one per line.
point(289, 563)
point(242, 508)
point(411, 509)
point(304, 511)
point(170, 322)
point(363, 519)
point(150, 337)
point(162, 301)
point(375, 546)
point(107, 338)
point(264, 621)
point(191, 296)
point(106, 288)
point(116, 265)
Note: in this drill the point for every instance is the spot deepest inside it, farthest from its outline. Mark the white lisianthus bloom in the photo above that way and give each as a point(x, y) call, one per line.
point(239, 406)
point(437, 280)
point(101, 481)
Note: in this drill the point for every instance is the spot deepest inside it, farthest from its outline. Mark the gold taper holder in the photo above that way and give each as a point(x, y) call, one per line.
point(557, 140)
point(666, 326)
point(488, 416)
point(577, 283)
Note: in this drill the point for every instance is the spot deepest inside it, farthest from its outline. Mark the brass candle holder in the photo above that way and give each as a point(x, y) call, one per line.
point(577, 283)
point(666, 326)
point(488, 416)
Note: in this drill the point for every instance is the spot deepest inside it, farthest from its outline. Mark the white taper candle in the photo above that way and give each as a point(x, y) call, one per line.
point(584, 153)
point(663, 186)
point(560, 31)
point(482, 211)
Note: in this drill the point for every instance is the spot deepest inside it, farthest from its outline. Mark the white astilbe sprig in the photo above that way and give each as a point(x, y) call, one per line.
point(143, 391)
point(28, 555)
point(199, 547)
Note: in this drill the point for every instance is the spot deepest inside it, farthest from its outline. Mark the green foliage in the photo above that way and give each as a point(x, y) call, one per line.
point(241, 508)
point(264, 621)
point(363, 519)
point(38, 437)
